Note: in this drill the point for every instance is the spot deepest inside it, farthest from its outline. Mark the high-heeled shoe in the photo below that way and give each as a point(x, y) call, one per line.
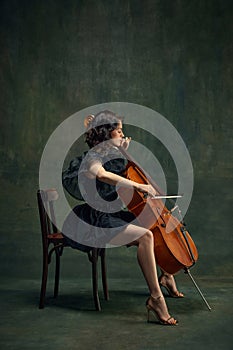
point(173, 294)
point(155, 313)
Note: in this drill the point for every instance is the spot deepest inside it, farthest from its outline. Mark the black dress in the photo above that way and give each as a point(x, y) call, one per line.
point(102, 216)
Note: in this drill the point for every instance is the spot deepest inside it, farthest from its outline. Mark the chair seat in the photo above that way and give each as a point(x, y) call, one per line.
point(55, 236)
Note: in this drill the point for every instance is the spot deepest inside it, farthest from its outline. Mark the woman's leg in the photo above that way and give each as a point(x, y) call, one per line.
point(146, 259)
point(168, 281)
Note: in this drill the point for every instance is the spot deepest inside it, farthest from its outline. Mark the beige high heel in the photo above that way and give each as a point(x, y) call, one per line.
point(151, 309)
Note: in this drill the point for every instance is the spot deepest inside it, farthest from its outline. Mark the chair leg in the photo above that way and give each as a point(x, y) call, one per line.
point(104, 275)
point(43, 281)
point(95, 279)
point(57, 273)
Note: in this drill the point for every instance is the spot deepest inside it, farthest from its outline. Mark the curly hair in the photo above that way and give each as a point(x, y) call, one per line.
point(100, 127)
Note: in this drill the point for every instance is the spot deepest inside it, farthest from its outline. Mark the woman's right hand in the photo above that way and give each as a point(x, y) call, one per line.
point(146, 189)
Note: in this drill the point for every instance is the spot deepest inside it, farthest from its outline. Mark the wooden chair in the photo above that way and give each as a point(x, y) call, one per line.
point(53, 242)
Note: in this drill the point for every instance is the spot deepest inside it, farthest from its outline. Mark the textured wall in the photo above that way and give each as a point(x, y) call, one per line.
point(175, 57)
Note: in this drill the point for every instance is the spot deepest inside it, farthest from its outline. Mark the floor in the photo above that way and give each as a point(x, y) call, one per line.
point(70, 321)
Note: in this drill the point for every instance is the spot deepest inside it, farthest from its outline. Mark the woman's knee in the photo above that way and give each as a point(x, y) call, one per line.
point(148, 237)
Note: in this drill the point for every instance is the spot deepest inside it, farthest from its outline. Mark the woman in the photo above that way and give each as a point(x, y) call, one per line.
point(103, 167)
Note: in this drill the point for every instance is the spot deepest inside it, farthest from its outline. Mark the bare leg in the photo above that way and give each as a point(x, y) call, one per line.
point(146, 259)
point(168, 281)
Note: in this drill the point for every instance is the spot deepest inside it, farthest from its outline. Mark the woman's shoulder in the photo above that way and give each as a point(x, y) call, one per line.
point(104, 155)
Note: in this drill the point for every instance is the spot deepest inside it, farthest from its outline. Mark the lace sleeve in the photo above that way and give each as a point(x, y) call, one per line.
point(91, 158)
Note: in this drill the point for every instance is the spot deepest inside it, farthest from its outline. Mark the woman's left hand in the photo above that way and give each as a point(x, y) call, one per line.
point(125, 142)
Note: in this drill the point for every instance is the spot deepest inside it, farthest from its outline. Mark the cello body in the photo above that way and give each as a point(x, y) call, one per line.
point(173, 246)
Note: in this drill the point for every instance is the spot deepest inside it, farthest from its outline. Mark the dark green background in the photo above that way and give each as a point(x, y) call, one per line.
point(58, 57)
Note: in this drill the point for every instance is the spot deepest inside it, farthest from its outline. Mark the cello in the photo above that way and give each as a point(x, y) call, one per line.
point(173, 246)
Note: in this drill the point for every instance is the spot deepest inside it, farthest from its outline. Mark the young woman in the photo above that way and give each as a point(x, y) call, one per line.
point(102, 171)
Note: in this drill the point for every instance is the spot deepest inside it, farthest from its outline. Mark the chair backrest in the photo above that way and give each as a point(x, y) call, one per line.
point(46, 200)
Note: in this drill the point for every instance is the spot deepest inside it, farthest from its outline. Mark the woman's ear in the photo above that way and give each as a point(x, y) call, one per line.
point(87, 120)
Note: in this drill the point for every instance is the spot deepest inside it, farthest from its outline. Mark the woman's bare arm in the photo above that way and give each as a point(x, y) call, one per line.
point(98, 171)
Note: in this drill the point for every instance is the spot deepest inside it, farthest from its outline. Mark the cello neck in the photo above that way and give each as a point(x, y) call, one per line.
point(146, 177)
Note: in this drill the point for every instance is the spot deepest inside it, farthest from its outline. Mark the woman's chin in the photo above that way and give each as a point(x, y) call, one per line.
point(116, 143)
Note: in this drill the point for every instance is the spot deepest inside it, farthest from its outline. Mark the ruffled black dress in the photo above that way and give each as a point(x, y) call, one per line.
point(102, 216)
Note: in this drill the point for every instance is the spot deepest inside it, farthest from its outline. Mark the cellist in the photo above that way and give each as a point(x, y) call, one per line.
point(102, 169)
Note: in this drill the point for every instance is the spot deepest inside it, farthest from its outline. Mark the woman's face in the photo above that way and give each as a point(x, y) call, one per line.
point(117, 135)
